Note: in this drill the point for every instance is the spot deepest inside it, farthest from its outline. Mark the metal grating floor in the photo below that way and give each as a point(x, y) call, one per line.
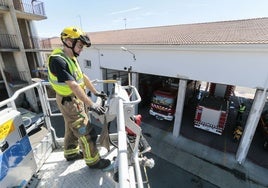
point(59, 173)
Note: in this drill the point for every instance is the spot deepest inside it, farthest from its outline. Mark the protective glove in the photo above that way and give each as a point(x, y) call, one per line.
point(101, 95)
point(97, 108)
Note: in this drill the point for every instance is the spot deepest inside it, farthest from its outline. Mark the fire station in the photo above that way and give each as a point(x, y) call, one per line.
point(224, 55)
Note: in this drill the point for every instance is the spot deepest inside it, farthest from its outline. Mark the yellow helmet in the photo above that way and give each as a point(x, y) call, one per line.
point(76, 34)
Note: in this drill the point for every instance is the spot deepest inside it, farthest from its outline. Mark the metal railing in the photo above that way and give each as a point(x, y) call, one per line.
point(4, 3)
point(8, 41)
point(126, 178)
point(30, 6)
point(31, 42)
point(121, 105)
point(123, 109)
point(42, 152)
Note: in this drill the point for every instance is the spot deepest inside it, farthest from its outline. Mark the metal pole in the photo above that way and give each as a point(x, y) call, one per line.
point(138, 170)
point(16, 94)
point(122, 148)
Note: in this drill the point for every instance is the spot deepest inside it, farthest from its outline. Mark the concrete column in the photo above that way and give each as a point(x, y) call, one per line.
point(251, 124)
point(39, 61)
point(2, 66)
point(21, 59)
point(179, 107)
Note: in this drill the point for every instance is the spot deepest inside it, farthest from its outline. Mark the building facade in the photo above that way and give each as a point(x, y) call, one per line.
point(19, 46)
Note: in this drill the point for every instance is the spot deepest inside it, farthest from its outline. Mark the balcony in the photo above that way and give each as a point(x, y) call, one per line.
point(8, 41)
point(30, 9)
point(3, 3)
point(26, 9)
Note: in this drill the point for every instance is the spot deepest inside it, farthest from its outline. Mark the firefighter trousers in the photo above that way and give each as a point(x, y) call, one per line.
point(79, 134)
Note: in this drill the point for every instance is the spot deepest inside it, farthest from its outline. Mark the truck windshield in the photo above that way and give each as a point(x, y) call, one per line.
point(162, 100)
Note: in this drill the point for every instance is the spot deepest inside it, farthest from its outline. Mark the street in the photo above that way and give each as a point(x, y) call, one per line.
point(165, 174)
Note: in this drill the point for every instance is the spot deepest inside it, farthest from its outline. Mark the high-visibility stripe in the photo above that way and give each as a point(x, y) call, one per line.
point(242, 108)
point(71, 151)
point(87, 154)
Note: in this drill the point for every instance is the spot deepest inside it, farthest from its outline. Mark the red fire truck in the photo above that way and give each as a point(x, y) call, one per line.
point(163, 104)
point(211, 114)
point(212, 109)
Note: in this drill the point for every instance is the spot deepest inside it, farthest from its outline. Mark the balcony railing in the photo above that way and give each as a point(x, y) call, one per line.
point(4, 3)
point(30, 6)
point(8, 41)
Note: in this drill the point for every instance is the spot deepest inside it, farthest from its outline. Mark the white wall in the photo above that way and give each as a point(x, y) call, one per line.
point(94, 72)
point(242, 65)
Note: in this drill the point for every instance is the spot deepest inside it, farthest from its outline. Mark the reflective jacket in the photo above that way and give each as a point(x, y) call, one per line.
point(242, 108)
point(61, 87)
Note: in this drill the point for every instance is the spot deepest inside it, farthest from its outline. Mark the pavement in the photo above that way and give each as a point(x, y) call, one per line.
point(214, 166)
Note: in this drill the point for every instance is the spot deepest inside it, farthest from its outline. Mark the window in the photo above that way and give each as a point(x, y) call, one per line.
point(88, 64)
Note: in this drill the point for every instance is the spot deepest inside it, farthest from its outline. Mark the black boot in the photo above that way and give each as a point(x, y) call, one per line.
point(75, 156)
point(101, 164)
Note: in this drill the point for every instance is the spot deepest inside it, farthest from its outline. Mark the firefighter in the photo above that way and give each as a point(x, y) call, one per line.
point(238, 131)
point(241, 110)
point(69, 83)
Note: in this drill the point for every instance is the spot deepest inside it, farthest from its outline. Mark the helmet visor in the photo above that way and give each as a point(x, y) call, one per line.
point(85, 39)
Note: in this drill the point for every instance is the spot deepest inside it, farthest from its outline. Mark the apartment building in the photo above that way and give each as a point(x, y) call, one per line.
point(20, 50)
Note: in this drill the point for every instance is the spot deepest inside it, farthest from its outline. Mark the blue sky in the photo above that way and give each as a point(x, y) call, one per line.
point(105, 15)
